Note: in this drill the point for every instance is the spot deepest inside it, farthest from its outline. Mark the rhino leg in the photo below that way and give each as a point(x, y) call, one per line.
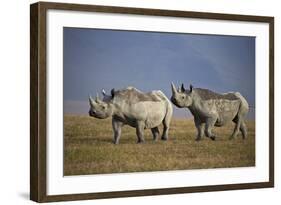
point(116, 125)
point(165, 132)
point(200, 129)
point(166, 122)
point(210, 122)
point(155, 133)
point(140, 131)
point(243, 129)
point(236, 128)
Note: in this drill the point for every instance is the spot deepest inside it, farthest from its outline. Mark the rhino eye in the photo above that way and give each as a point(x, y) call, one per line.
point(103, 107)
point(182, 97)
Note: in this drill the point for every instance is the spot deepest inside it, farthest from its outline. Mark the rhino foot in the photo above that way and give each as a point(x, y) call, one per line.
point(140, 141)
point(198, 139)
point(213, 138)
point(164, 138)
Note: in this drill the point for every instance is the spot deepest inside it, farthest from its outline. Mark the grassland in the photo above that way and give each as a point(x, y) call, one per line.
point(88, 148)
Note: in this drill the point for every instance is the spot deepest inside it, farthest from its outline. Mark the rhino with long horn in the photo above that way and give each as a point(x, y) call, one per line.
point(212, 109)
point(132, 107)
point(91, 101)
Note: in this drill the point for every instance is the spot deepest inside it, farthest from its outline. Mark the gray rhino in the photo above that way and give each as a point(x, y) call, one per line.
point(212, 109)
point(135, 108)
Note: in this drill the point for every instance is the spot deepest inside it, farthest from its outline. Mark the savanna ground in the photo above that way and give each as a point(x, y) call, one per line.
point(88, 148)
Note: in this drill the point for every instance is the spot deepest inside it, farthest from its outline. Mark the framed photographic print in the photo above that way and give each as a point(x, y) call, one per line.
point(135, 102)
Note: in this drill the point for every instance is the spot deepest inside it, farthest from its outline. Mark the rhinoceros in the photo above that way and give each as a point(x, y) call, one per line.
point(132, 107)
point(212, 109)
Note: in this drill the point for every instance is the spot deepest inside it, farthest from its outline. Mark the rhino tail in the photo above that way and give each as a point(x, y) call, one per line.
point(244, 106)
point(169, 106)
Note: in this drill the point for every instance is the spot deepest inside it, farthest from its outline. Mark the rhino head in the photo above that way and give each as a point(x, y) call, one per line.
point(181, 97)
point(100, 108)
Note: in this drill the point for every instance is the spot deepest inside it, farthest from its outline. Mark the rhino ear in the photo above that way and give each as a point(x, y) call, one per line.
point(182, 88)
point(103, 92)
point(112, 93)
point(191, 87)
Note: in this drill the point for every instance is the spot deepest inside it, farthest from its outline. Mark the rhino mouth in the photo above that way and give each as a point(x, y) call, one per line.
point(96, 115)
point(174, 101)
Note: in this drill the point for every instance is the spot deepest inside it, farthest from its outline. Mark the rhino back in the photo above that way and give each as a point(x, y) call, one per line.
point(206, 94)
point(132, 95)
point(133, 105)
point(210, 104)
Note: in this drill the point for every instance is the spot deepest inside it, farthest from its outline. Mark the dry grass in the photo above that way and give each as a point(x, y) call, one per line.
point(88, 148)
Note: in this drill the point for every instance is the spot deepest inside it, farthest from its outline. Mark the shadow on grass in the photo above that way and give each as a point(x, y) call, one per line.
point(109, 140)
point(88, 140)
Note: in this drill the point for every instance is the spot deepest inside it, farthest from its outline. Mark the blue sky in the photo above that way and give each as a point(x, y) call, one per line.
point(96, 59)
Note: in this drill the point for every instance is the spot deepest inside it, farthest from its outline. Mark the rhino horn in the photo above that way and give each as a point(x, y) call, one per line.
point(98, 99)
point(174, 89)
point(91, 101)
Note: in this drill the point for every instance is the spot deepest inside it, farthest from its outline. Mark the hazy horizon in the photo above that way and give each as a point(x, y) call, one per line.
point(96, 59)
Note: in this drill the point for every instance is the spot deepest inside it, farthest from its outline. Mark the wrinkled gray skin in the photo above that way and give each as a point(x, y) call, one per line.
point(135, 108)
point(212, 109)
